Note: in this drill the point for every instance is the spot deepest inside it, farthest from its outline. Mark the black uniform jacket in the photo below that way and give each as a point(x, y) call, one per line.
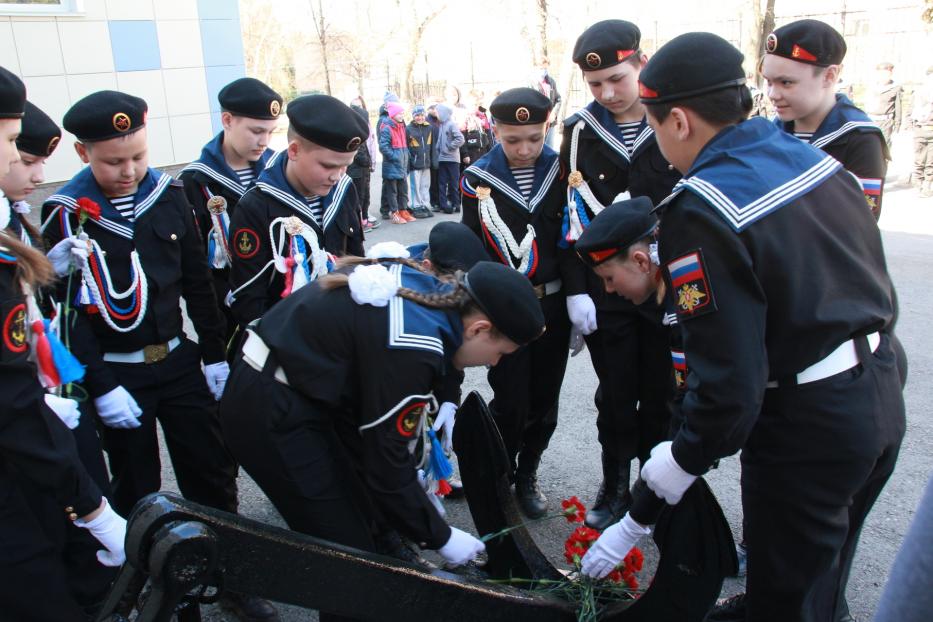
point(850, 136)
point(609, 170)
point(765, 291)
point(255, 283)
point(324, 341)
point(172, 258)
point(543, 211)
point(34, 443)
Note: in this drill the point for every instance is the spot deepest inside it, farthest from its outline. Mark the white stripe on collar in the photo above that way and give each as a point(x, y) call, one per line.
point(397, 335)
point(741, 217)
point(617, 145)
point(303, 208)
point(514, 194)
point(104, 223)
point(223, 180)
point(845, 129)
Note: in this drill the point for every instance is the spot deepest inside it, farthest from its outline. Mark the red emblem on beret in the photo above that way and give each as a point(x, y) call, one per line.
point(646, 92)
point(598, 257)
point(621, 55)
point(802, 54)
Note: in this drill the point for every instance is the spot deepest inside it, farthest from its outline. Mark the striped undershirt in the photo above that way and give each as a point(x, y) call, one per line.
point(317, 210)
point(124, 205)
point(525, 178)
point(804, 136)
point(246, 176)
point(629, 131)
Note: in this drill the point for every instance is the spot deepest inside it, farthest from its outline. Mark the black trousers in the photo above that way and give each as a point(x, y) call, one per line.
point(293, 453)
point(394, 195)
point(631, 355)
point(361, 184)
point(526, 385)
point(175, 393)
point(448, 186)
point(812, 468)
point(433, 190)
point(45, 575)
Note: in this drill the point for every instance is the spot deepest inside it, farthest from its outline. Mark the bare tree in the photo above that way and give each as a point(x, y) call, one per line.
point(762, 25)
point(413, 48)
point(541, 14)
point(265, 49)
point(322, 28)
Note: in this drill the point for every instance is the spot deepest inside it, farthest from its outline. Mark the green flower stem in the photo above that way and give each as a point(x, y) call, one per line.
point(502, 532)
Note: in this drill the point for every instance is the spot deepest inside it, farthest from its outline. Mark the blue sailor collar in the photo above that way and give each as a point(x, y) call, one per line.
point(604, 125)
point(843, 118)
point(493, 168)
point(83, 184)
point(272, 182)
point(213, 164)
point(750, 170)
point(416, 251)
point(415, 327)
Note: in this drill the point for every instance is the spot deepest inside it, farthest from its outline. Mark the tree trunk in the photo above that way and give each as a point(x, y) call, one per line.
point(321, 28)
point(542, 15)
point(767, 26)
point(411, 53)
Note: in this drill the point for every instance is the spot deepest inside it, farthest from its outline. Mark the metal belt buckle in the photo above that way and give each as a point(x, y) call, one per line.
point(540, 291)
point(155, 353)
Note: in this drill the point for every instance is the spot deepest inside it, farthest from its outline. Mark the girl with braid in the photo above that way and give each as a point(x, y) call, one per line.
point(329, 446)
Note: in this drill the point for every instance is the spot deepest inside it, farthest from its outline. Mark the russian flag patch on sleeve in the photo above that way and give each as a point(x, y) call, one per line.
point(872, 190)
point(690, 286)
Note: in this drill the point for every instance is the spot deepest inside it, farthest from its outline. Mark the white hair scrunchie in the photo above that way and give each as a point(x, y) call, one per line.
point(372, 285)
point(387, 250)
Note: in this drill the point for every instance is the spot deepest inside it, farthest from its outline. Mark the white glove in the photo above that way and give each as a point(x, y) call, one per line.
point(612, 547)
point(118, 409)
point(66, 409)
point(582, 312)
point(446, 415)
point(216, 375)
point(68, 253)
point(461, 548)
point(664, 476)
point(577, 343)
point(110, 530)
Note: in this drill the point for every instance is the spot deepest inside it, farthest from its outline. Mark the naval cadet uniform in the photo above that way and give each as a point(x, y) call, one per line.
point(210, 176)
point(38, 458)
point(785, 309)
point(282, 240)
point(629, 349)
point(331, 447)
point(847, 133)
point(139, 267)
point(520, 227)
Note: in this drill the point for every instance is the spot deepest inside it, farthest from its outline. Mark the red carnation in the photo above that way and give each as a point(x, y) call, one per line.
point(615, 576)
point(635, 559)
point(573, 552)
point(87, 209)
point(574, 510)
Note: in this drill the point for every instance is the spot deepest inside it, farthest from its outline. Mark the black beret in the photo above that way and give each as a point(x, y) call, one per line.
point(606, 44)
point(251, 98)
point(691, 64)
point(12, 95)
point(615, 229)
point(807, 41)
point(328, 122)
point(40, 135)
point(506, 296)
point(521, 106)
point(454, 246)
point(104, 115)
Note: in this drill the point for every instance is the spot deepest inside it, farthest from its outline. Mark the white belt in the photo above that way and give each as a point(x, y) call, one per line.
point(149, 354)
point(255, 354)
point(839, 360)
point(546, 289)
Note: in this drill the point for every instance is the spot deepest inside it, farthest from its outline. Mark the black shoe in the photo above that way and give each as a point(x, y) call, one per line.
point(448, 211)
point(248, 608)
point(420, 212)
point(457, 209)
point(608, 508)
point(728, 610)
point(435, 208)
point(386, 215)
point(530, 498)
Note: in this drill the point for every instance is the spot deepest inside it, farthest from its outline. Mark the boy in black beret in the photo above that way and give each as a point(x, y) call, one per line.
point(802, 67)
point(143, 253)
point(514, 198)
point(786, 311)
point(302, 211)
point(227, 167)
point(611, 153)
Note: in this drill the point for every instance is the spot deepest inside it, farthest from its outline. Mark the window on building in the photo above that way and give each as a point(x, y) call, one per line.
point(41, 7)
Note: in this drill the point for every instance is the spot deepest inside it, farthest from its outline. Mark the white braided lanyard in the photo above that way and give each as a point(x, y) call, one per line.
point(139, 281)
point(576, 182)
point(508, 246)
